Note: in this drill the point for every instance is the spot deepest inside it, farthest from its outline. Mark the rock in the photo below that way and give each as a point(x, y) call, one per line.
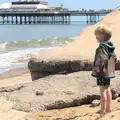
point(55, 92)
point(40, 68)
point(95, 103)
point(115, 86)
point(118, 100)
point(115, 95)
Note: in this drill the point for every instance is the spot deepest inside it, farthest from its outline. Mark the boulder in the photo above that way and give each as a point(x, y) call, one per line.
point(40, 68)
point(56, 91)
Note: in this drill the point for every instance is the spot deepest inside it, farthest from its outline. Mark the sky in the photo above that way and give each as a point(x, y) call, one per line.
point(81, 4)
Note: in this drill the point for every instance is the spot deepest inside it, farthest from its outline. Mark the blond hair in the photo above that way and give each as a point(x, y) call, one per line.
point(104, 30)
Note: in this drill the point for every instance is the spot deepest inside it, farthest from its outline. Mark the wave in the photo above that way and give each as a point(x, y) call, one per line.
point(42, 43)
point(11, 51)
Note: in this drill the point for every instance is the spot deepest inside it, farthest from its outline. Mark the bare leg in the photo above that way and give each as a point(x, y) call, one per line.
point(103, 99)
point(109, 98)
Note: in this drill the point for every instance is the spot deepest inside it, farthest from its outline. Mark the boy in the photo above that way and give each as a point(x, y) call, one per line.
point(104, 66)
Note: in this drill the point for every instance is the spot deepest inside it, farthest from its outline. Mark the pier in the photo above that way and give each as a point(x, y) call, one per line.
point(35, 17)
point(40, 13)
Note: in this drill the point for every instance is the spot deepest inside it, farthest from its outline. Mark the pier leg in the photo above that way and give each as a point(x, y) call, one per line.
point(37, 19)
point(20, 19)
point(87, 21)
point(3, 19)
point(1, 22)
point(34, 19)
point(98, 18)
point(25, 19)
point(69, 19)
point(16, 20)
point(49, 18)
point(52, 20)
point(12, 20)
point(45, 19)
point(95, 19)
point(40, 19)
point(56, 19)
point(59, 19)
point(90, 19)
point(29, 19)
point(65, 19)
point(7, 19)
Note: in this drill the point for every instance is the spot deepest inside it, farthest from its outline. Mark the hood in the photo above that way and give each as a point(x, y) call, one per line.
point(108, 47)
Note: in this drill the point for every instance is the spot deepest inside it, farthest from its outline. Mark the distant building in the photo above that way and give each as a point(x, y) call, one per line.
point(30, 5)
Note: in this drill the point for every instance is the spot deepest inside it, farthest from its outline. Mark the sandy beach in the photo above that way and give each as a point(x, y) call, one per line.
point(10, 78)
point(84, 112)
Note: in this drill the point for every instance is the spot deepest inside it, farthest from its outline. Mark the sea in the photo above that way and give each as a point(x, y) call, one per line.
point(16, 41)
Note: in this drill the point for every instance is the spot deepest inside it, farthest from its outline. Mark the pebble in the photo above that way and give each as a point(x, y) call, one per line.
point(95, 103)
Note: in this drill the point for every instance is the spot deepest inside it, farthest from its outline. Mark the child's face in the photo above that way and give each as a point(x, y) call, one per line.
point(100, 37)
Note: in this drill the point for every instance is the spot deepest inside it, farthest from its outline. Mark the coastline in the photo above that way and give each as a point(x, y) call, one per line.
point(14, 73)
point(15, 77)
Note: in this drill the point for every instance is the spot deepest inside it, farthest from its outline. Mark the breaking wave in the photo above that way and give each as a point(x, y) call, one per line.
point(42, 43)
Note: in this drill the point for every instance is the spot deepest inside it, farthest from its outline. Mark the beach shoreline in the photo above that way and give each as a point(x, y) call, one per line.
point(14, 73)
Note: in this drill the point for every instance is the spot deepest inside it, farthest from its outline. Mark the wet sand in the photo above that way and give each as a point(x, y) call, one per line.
point(15, 76)
point(14, 73)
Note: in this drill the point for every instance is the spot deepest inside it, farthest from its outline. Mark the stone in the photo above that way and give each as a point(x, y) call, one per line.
point(95, 103)
point(115, 95)
point(40, 68)
point(118, 100)
point(56, 92)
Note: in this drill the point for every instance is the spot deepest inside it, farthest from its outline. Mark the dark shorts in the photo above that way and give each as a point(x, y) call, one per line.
point(103, 81)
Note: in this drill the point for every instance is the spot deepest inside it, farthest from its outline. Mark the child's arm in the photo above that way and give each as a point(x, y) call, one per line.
point(99, 64)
